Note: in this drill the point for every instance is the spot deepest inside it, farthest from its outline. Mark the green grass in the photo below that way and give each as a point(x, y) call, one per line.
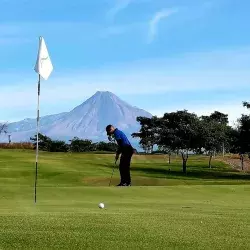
point(205, 209)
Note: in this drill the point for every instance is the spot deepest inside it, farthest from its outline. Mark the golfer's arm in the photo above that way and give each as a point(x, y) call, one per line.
point(119, 142)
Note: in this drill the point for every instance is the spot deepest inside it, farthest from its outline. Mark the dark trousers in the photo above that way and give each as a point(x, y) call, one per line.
point(124, 166)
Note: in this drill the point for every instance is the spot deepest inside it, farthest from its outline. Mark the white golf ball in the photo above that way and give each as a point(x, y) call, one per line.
point(101, 205)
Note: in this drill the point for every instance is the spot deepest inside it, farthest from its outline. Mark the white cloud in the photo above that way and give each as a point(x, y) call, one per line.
point(63, 89)
point(158, 16)
point(120, 5)
point(193, 74)
point(233, 109)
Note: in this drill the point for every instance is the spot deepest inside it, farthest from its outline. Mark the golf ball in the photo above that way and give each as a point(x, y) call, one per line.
point(101, 205)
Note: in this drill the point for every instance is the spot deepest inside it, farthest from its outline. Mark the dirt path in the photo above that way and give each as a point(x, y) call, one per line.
point(234, 161)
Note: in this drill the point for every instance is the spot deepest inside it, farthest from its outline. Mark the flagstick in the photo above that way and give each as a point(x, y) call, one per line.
point(37, 145)
point(43, 68)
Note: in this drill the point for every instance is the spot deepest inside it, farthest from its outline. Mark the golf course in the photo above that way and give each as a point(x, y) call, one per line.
point(164, 209)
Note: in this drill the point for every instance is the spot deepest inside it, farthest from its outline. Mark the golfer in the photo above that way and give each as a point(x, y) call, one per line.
point(126, 151)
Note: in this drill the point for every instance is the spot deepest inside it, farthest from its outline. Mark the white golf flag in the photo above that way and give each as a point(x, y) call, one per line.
point(43, 66)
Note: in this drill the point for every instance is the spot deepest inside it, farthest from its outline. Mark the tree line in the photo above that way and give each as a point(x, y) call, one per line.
point(179, 132)
point(182, 132)
point(45, 143)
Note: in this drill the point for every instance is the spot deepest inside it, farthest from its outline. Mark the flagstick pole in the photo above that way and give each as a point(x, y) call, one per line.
point(37, 145)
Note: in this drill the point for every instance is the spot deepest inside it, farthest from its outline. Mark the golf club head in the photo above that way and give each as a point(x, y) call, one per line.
point(109, 138)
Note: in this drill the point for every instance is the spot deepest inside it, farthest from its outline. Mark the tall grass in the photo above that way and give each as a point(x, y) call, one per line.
point(19, 145)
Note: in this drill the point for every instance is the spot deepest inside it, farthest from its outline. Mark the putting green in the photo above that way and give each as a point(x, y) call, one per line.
point(174, 216)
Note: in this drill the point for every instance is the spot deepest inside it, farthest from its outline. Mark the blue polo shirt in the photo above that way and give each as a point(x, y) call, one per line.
point(119, 135)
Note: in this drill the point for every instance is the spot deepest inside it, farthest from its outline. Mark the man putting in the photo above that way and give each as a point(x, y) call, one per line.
point(126, 151)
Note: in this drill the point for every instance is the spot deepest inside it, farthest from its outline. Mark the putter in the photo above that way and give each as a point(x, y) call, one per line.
point(112, 173)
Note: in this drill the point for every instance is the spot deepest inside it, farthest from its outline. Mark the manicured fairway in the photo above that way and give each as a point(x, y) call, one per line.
point(205, 209)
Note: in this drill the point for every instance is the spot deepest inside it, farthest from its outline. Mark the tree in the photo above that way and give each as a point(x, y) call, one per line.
point(166, 151)
point(233, 135)
point(44, 142)
point(148, 133)
point(211, 134)
point(3, 128)
point(79, 145)
point(239, 138)
point(179, 132)
point(47, 144)
point(221, 120)
point(244, 137)
point(219, 117)
point(246, 104)
point(58, 146)
point(103, 146)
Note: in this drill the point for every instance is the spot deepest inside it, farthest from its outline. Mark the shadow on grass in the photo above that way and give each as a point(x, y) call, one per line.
point(165, 171)
point(203, 174)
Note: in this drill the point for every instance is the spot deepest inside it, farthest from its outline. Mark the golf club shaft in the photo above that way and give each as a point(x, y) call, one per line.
point(112, 174)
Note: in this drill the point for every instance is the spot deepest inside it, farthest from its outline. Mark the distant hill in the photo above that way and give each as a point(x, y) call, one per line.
point(87, 120)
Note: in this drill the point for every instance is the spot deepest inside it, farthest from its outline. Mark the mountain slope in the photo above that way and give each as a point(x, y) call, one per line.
point(87, 120)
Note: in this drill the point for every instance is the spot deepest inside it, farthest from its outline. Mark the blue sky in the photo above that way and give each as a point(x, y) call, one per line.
point(159, 55)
